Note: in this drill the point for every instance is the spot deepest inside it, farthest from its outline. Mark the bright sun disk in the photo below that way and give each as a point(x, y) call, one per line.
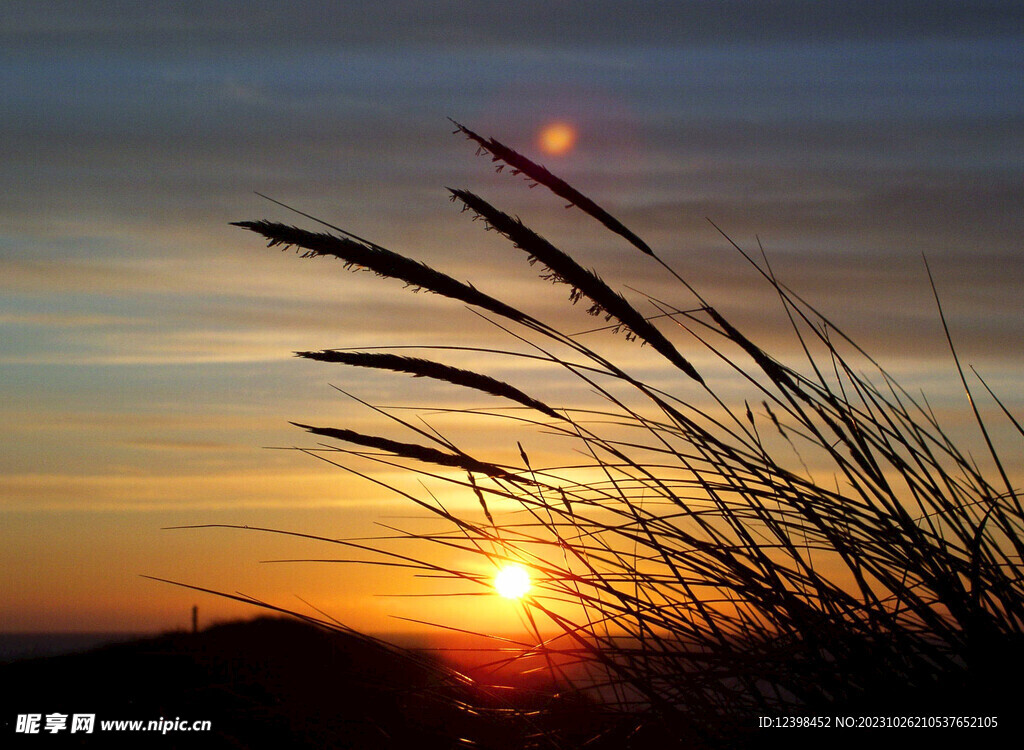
point(512, 581)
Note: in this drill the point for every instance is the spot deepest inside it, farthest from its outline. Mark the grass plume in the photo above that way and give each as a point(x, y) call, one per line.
point(521, 164)
point(359, 255)
point(562, 269)
point(425, 368)
point(410, 450)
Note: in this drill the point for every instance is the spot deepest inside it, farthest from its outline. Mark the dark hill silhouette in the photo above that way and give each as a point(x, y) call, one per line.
point(265, 683)
point(276, 682)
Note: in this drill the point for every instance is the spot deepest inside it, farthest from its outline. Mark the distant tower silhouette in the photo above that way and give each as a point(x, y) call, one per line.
point(195, 618)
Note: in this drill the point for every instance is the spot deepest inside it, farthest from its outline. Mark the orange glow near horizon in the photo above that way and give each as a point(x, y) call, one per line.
point(557, 138)
point(512, 582)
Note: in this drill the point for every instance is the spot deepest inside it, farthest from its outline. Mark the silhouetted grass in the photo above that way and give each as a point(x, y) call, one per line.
point(821, 544)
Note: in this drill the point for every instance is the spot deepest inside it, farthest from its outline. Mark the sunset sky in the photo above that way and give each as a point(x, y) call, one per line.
point(146, 345)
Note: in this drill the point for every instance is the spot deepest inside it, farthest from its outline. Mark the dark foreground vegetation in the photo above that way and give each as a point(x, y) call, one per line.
point(725, 534)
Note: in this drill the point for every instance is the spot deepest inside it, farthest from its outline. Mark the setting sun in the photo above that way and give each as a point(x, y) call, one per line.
point(557, 138)
point(512, 581)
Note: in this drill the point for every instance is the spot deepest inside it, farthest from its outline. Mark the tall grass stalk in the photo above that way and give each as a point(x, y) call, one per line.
point(820, 544)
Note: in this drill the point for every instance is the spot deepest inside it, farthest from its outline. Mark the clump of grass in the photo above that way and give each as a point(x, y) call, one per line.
point(829, 547)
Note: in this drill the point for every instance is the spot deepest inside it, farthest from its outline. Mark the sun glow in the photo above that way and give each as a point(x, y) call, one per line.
point(512, 581)
point(557, 138)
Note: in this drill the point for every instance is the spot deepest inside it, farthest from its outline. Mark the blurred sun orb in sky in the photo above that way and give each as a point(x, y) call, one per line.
point(557, 138)
point(512, 581)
